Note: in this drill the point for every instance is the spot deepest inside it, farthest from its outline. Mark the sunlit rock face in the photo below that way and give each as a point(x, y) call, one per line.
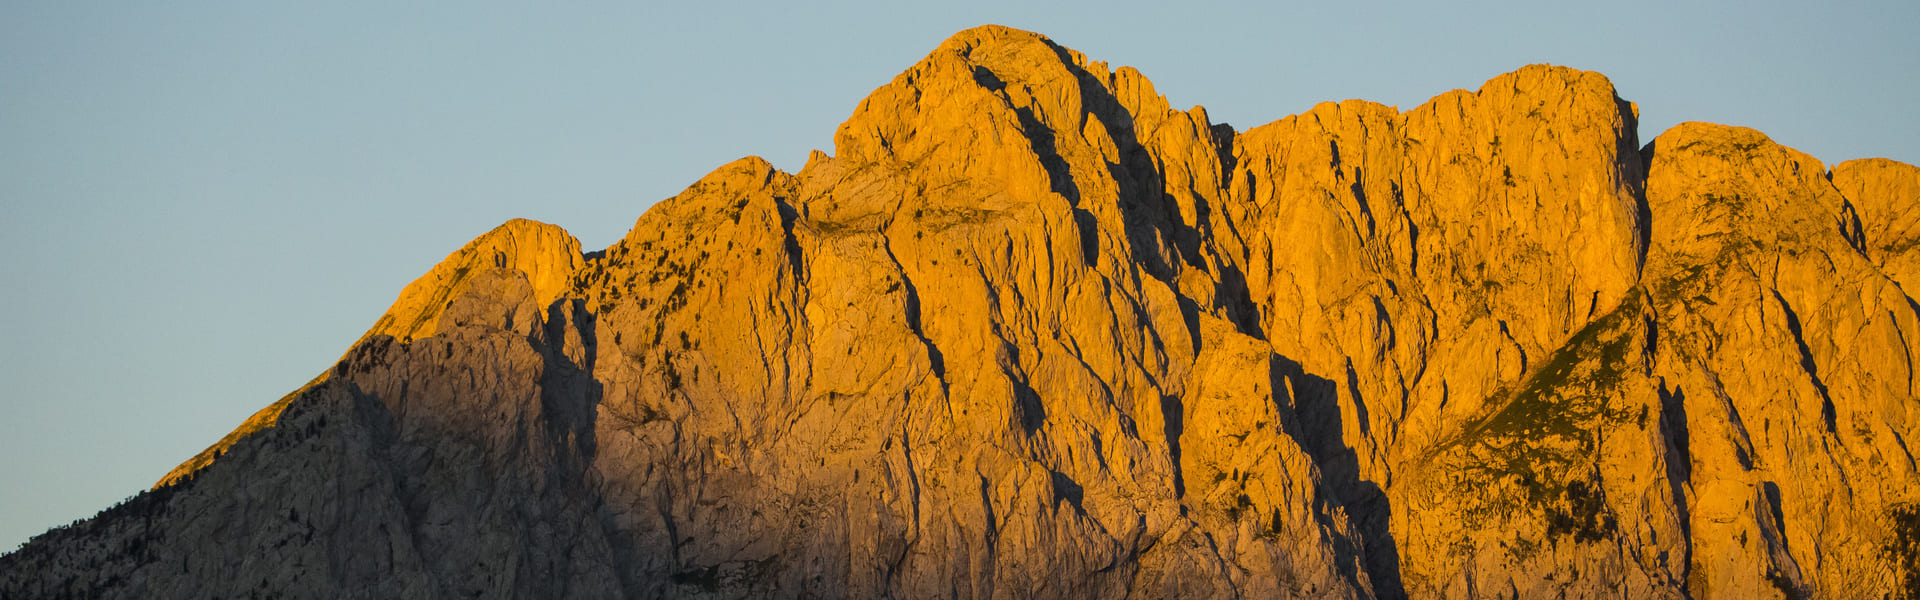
point(1031, 333)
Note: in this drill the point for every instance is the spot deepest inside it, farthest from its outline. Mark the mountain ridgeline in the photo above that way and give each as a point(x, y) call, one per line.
point(1032, 333)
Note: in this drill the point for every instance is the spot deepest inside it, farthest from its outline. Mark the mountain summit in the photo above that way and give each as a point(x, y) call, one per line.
point(1029, 332)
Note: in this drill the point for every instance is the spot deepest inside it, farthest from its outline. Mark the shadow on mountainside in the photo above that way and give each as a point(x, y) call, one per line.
point(373, 453)
point(1151, 220)
point(1317, 428)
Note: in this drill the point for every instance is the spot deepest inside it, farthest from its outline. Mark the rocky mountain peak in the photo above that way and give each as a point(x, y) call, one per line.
point(523, 259)
point(1032, 332)
point(1886, 196)
point(503, 279)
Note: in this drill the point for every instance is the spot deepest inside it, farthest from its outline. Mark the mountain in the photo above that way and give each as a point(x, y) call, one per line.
point(1030, 332)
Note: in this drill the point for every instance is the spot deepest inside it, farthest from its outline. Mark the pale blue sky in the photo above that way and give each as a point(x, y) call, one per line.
point(204, 203)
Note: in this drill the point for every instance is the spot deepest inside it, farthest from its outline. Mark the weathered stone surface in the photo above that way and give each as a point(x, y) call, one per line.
point(1885, 195)
point(1031, 332)
point(544, 255)
point(1784, 355)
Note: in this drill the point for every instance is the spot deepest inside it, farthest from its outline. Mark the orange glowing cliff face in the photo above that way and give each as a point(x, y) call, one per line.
point(1029, 331)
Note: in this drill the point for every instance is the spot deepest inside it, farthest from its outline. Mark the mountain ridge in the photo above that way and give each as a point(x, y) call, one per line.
point(1029, 331)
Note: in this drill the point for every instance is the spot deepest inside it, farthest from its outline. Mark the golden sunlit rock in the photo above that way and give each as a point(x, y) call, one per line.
point(1030, 332)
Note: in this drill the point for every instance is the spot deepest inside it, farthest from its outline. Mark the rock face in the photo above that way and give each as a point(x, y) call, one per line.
point(1032, 333)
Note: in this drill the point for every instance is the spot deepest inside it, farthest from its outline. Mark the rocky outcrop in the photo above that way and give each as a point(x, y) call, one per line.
point(1885, 196)
point(543, 255)
point(1031, 332)
point(1783, 355)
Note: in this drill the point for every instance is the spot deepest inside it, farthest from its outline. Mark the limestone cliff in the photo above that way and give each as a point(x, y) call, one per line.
point(1030, 332)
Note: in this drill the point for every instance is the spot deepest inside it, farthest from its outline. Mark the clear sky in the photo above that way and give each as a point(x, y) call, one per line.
point(205, 203)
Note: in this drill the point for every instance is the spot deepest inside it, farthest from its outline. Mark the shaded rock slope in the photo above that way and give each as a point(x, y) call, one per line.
point(1030, 332)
